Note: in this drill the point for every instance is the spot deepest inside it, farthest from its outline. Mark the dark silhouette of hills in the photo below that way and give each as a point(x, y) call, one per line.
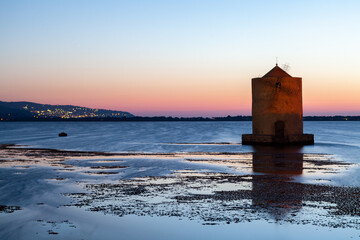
point(35, 111)
point(7, 113)
point(28, 111)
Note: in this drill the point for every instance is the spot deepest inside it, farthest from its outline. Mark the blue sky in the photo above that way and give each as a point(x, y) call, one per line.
point(89, 49)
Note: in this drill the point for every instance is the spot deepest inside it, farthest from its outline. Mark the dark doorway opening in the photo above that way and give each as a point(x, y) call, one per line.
point(279, 129)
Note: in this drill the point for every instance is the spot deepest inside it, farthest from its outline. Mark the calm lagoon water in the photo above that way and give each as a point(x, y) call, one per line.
point(47, 209)
point(342, 138)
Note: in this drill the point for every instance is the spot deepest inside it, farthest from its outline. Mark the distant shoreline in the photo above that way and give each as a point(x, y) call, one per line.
point(35, 112)
point(176, 119)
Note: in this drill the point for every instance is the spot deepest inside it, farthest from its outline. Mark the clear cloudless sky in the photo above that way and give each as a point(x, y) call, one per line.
point(179, 58)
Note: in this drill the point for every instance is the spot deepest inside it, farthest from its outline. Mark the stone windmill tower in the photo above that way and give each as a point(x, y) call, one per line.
point(277, 112)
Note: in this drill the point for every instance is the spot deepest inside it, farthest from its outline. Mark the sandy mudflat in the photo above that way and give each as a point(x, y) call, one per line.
point(47, 192)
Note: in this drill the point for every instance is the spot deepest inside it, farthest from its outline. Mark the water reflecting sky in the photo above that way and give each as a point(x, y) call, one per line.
point(204, 181)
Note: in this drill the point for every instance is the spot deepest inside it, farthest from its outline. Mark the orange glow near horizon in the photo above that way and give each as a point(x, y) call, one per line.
point(208, 96)
point(194, 93)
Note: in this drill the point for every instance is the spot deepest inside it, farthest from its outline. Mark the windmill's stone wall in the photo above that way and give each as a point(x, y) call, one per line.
point(277, 99)
point(277, 112)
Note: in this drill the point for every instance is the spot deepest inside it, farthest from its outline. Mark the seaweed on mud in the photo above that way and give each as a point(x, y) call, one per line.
point(9, 209)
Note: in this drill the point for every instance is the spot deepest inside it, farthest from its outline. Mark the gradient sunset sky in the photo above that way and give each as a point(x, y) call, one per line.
point(178, 57)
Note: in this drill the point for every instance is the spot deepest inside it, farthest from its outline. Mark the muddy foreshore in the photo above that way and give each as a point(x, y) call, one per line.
point(268, 192)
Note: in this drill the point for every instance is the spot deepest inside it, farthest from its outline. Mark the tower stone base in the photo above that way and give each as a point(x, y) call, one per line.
point(255, 139)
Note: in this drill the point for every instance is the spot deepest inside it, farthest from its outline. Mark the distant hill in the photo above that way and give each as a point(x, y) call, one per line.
point(32, 111)
point(28, 111)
